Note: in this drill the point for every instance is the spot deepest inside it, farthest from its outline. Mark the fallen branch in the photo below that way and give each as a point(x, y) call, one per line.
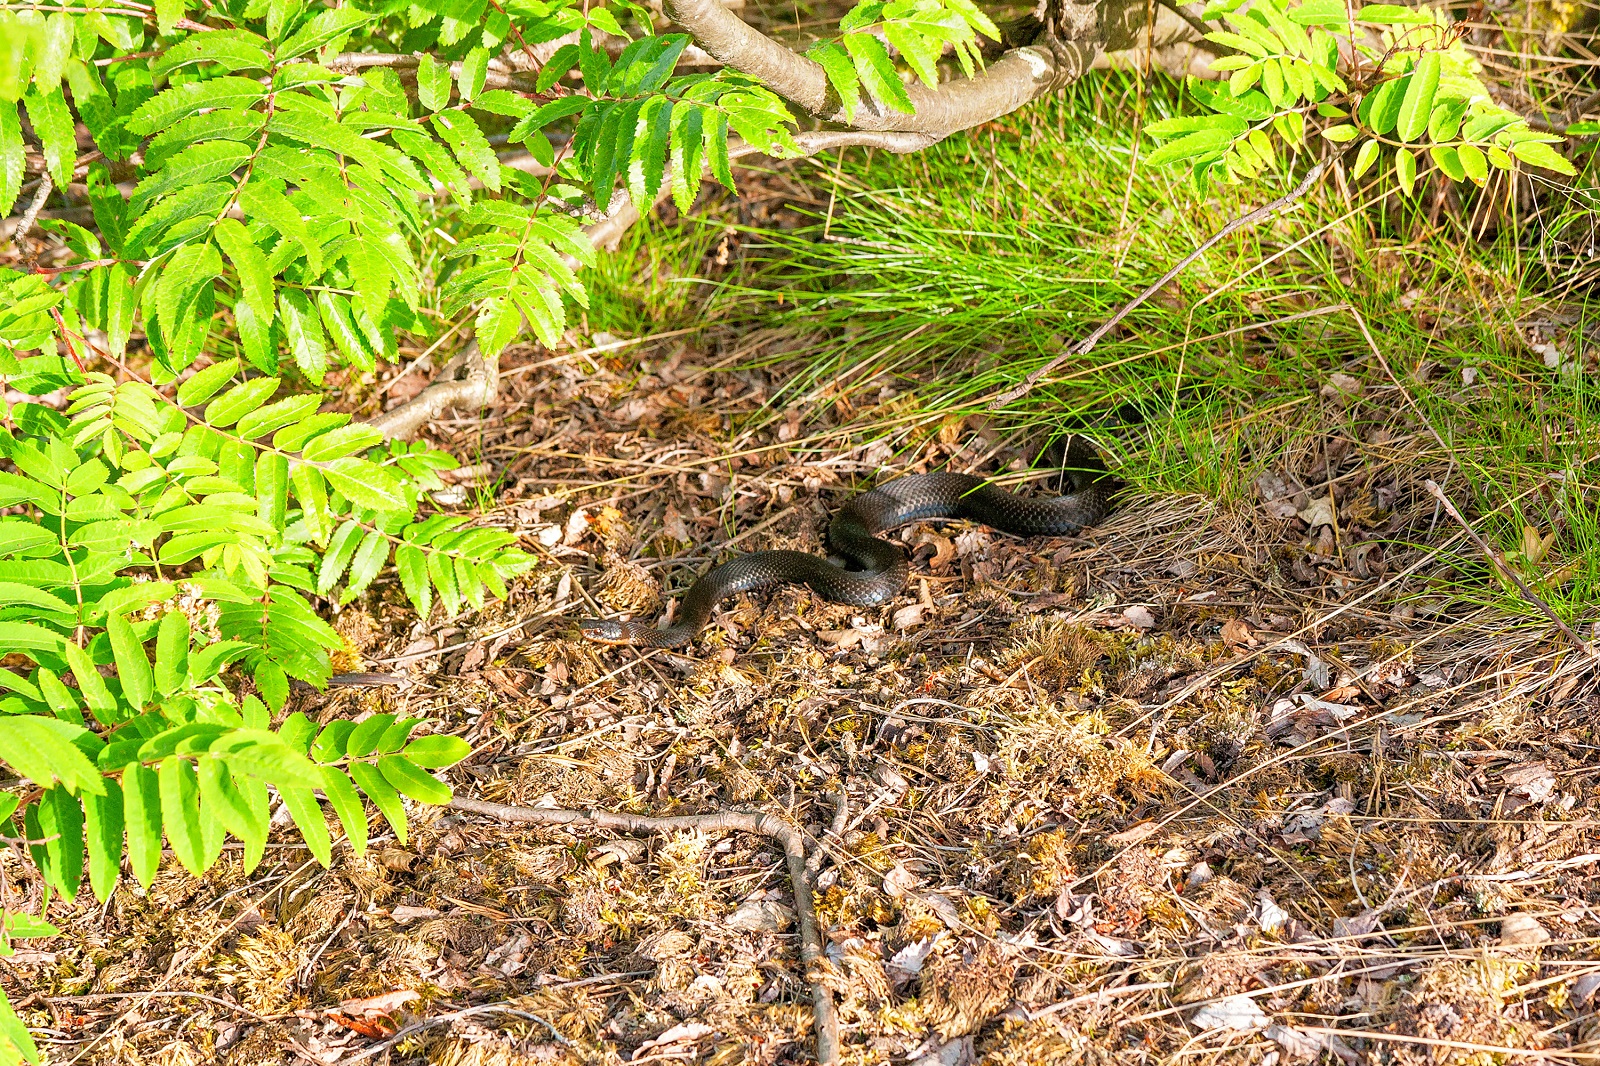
point(768, 825)
point(1084, 347)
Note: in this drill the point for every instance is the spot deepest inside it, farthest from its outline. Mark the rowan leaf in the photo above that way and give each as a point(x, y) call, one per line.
point(255, 279)
point(1417, 105)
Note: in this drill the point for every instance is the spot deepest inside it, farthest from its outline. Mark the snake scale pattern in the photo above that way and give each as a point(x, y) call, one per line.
point(876, 569)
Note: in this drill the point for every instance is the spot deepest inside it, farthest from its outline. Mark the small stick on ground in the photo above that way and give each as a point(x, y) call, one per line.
point(1506, 572)
point(1084, 347)
point(767, 825)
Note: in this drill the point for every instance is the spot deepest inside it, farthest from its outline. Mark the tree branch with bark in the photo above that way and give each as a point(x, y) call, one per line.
point(1042, 52)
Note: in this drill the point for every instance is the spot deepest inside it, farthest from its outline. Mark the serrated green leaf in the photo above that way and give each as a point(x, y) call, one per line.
point(181, 101)
point(53, 125)
point(1238, 42)
point(133, 666)
point(267, 205)
point(239, 401)
point(338, 320)
point(103, 834)
point(255, 280)
point(337, 443)
point(474, 67)
point(383, 796)
point(195, 165)
point(1241, 81)
point(340, 550)
point(229, 49)
point(412, 566)
point(1540, 154)
point(471, 147)
point(1172, 127)
point(54, 51)
point(1417, 105)
point(13, 158)
point(365, 484)
point(437, 751)
point(307, 814)
point(593, 64)
point(303, 326)
point(206, 383)
point(841, 73)
point(180, 812)
point(876, 71)
point(60, 819)
point(649, 160)
point(411, 780)
point(90, 684)
point(1192, 146)
point(686, 149)
point(498, 322)
point(277, 415)
point(365, 567)
point(322, 29)
point(433, 84)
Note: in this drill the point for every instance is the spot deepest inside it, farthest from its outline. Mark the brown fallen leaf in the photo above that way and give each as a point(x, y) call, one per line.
point(372, 1016)
point(1522, 930)
point(1134, 834)
point(1236, 634)
point(383, 1003)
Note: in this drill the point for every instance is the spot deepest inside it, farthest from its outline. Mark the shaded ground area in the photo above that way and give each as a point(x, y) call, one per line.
point(1090, 796)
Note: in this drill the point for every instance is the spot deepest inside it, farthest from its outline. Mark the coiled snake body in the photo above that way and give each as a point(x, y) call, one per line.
point(877, 568)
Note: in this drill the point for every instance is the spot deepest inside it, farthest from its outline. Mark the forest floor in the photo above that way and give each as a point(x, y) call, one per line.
point(1269, 766)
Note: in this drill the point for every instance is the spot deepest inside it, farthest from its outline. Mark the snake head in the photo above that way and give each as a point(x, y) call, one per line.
point(602, 631)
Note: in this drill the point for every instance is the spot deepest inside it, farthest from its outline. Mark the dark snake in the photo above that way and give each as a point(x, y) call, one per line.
point(877, 568)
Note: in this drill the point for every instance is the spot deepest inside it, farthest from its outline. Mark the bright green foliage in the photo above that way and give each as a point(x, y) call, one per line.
point(1285, 69)
point(919, 30)
point(281, 167)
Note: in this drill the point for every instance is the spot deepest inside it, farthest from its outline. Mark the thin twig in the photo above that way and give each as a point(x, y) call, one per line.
point(769, 825)
point(46, 186)
point(1505, 571)
point(1260, 214)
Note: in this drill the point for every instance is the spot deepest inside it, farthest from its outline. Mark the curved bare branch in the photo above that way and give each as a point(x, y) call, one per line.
point(1072, 36)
